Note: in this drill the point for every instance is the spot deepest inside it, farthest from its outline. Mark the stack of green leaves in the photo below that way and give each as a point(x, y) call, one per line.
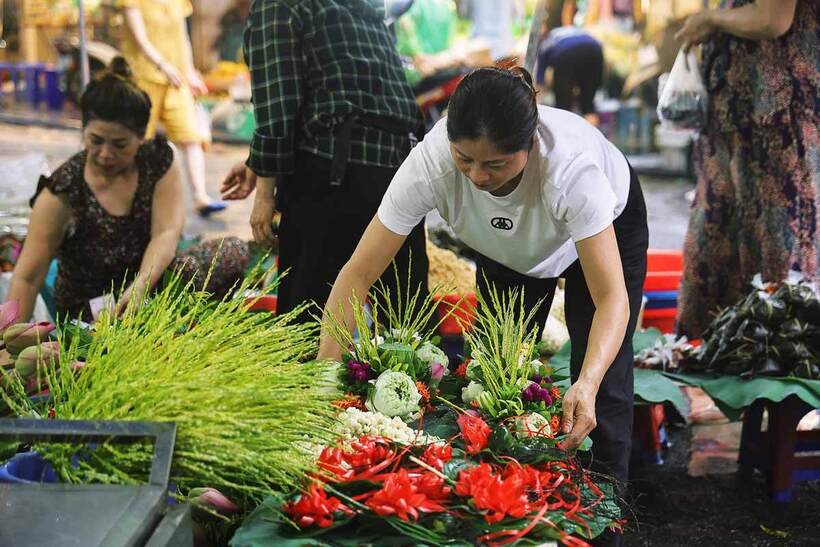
point(773, 331)
point(248, 413)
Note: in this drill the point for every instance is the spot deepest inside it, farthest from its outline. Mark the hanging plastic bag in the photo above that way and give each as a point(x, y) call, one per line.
point(683, 99)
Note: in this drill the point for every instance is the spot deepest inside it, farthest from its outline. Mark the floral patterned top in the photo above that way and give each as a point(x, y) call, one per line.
point(101, 251)
point(754, 83)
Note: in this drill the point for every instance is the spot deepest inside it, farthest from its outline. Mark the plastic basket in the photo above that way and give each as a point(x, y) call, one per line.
point(464, 313)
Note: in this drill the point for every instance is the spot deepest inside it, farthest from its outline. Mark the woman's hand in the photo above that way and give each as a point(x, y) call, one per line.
point(579, 413)
point(696, 29)
point(195, 82)
point(171, 72)
point(239, 183)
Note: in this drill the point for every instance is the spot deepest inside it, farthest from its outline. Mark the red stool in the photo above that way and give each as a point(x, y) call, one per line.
point(782, 452)
point(648, 435)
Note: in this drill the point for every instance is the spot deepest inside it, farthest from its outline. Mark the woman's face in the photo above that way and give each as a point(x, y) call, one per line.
point(487, 168)
point(111, 146)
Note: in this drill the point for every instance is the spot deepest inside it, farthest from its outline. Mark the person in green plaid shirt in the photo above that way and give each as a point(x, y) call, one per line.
point(335, 118)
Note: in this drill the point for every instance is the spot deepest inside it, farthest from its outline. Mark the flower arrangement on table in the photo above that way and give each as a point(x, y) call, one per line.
point(392, 367)
point(492, 473)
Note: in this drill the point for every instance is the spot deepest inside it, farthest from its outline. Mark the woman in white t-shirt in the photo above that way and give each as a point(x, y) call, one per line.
point(540, 194)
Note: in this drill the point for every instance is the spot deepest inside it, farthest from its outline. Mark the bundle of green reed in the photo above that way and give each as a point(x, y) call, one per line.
point(247, 411)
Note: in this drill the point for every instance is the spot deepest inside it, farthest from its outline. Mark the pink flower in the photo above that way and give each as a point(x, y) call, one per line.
point(9, 313)
point(437, 371)
point(214, 499)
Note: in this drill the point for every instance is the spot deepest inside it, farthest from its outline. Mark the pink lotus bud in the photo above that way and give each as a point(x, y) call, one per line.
point(214, 499)
point(9, 314)
point(437, 371)
point(22, 335)
point(34, 357)
point(77, 365)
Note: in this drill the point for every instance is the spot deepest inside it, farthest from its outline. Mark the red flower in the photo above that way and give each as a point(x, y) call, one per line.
point(350, 400)
point(470, 480)
point(315, 507)
point(555, 424)
point(437, 455)
point(401, 497)
point(475, 431)
point(497, 497)
point(556, 393)
point(367, 457)
point(433, 487)
point(461, 370)
point(367, 452)
point(423, 391)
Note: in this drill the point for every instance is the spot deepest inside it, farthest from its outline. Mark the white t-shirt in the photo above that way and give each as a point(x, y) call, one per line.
point(575, 183)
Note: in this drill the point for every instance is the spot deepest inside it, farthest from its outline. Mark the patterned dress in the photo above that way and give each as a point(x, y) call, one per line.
point(758, 168)
point(101, 251)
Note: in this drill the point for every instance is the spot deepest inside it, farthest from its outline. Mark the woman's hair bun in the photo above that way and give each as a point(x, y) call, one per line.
point(120, 67)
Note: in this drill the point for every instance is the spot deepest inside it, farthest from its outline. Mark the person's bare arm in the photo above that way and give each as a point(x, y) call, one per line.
point(762, 20)
point(192, 75)
point(136, 24)
point(49, 219)
point(601, 264)
point(167, 219)
point(373, 254)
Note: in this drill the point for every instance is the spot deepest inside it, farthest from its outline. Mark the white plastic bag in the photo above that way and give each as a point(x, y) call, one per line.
point(682, 101)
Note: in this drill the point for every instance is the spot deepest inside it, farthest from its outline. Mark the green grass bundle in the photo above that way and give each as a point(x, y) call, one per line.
point(503, 345)
point(247, 411)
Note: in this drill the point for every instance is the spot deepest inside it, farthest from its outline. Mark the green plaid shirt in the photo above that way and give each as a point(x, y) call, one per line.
point(312, 63)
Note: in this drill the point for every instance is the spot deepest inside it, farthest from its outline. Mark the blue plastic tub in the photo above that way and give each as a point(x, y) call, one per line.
point(27, 468)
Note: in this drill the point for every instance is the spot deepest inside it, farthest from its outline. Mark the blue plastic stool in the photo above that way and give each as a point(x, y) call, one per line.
point(27, 468)
point(32, 72)
point(54, 95)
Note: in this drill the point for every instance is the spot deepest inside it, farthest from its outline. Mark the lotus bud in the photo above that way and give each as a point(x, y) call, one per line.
point(77, 365)
point(213, 498)
point(23, 335)
point(9, 314)
point(34, 357)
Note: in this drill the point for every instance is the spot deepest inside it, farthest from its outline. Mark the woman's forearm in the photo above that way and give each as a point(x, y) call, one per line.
point(158, 255)
point(348, 284)
point(758, 21)
point(606, 336)
point(25, 292)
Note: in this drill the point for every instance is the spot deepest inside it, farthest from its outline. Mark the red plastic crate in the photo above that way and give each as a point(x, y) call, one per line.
point(664, 269)
point(662, 319)
point(664, 260)
point(464, 313)
point(662, 281)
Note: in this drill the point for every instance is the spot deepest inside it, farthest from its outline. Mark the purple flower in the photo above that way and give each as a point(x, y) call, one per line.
point(359, 372)
point(534, 393)
point(536, 378)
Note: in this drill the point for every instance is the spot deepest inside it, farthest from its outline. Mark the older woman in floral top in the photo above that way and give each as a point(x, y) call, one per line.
point(758, 158)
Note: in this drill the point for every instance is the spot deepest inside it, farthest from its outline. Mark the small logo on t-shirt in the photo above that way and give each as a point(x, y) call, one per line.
point(501, 223)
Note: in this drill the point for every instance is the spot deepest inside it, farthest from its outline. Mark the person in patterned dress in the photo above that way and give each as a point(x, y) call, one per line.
point(758, 158)
point(112, 214)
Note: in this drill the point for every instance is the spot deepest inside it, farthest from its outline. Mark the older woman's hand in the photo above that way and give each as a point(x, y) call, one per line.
point(696, 29)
